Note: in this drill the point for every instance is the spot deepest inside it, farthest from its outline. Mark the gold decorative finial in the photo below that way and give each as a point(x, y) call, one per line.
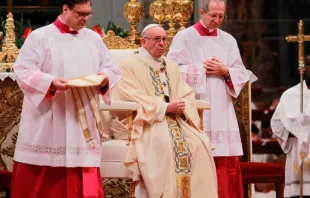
point(183, 11)
point(157, 11)
point(116, 42)
point(133, 11)
point(169, 9)
point(9, 51)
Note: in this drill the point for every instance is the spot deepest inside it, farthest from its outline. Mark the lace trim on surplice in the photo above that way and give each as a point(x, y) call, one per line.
point(58, 150)
point(192, 75)
point(224, 137)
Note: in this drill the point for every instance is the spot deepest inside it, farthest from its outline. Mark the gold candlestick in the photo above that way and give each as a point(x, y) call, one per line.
point(170, 16)
point(183, 11)
point(157, 11)
point(133, 11)
point(9, 51)
point(169, 11)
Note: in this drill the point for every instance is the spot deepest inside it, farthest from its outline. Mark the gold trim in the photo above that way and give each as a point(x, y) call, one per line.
point(116, 42)
point(133, 11)
point(157, 11)
point(11, 100)
point(9, 150)
point(9, 49)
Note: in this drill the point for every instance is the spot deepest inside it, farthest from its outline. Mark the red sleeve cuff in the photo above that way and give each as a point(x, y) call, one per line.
point(228, 82)
point(103, 90)
point(50, 93)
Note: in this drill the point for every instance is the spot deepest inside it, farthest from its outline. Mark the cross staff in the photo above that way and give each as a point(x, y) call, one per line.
point(9, 6)
point(300, 38)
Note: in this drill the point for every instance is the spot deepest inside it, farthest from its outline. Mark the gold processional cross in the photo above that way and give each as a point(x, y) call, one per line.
point(10, 6)
point(300, 38)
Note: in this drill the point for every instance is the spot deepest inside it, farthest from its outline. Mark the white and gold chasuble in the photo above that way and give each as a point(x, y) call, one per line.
point(169, 155)
point(182, 153)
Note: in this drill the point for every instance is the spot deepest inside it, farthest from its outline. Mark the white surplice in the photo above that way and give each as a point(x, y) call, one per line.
point(288, 119)
point(189, 49)
point(50, 133)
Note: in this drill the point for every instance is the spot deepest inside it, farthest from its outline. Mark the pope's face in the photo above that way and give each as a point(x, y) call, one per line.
point(155, 41)
point(214, 17)
point(78, 16)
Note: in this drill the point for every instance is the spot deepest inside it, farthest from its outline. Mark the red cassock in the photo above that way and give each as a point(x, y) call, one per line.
point(31, 181)
point(229, 177)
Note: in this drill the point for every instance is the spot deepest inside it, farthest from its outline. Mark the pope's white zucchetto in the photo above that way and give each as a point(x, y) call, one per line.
point(148, 27)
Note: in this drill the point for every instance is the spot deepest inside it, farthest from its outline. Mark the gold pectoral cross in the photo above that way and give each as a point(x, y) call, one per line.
point(300, 38)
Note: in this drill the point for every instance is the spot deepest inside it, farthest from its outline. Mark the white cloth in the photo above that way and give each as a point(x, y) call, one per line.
point(288, 119)
point(4, 75)
point(50, 133)
point(190, 50)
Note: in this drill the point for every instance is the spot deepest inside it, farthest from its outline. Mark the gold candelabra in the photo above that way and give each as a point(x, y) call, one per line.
point(183, 11)
point(133, 11)
point(157, 11)
point(9, 51)
point(172, 11)
point(169, 11)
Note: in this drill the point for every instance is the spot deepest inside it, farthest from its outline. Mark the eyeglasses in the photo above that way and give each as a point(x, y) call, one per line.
point(157, 39)
point(84, 14)
point(214, 16)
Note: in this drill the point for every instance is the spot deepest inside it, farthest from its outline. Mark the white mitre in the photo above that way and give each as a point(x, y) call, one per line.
point(148, 27)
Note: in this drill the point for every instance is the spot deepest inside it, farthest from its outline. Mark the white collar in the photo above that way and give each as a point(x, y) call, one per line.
point(143, 55)
point(160, 59)
point(210, 30)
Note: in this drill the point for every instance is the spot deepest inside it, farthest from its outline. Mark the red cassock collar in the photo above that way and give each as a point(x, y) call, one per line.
point(63, 28)
point(204, 31)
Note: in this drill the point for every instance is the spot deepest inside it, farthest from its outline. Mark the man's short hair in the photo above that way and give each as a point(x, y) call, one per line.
point(72, 3)
point(204, 4)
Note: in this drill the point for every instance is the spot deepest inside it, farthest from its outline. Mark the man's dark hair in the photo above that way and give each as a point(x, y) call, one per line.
point(255, 129)
point(307, 60)
point(72, 3)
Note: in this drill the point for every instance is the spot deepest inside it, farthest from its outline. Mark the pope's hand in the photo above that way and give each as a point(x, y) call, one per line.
point(105, 80)
point(59, 84)
point(214, 66)
point(176, 106)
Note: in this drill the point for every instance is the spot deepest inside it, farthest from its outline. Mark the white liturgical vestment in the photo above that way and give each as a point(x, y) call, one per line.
point(50, 133)
point(169, 156)
point(190, 49)
point(288, 119)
